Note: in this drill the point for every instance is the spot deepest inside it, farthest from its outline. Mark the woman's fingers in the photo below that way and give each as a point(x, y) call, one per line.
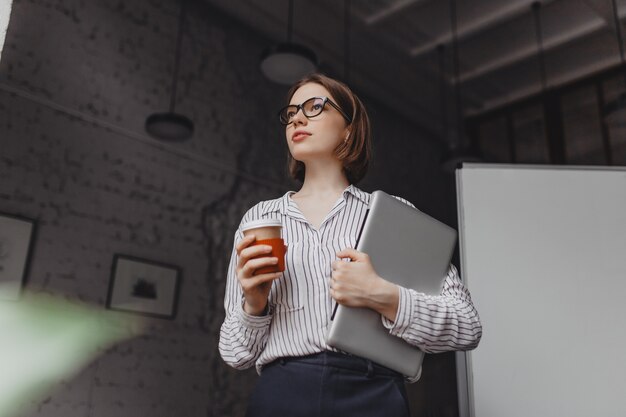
point(243, 243)
point(248, 253)
point(254, 251)
point(254, 264)
point(248, 284)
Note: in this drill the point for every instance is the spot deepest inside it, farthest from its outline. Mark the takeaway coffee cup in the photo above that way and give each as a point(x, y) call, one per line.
point(268, 232)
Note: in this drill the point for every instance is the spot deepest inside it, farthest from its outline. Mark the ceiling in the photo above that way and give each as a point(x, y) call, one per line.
point(394, 56)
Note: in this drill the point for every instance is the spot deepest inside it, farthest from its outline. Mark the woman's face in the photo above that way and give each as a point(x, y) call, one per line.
point(317, 137)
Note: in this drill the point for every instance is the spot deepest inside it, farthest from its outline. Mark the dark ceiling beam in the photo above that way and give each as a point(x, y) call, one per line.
point(534, 87)
point(506, 11)
point(389, 12)
point(603, 9)
point(593, 25)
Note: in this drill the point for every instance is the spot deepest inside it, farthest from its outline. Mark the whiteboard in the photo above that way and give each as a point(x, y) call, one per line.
point(543, 252)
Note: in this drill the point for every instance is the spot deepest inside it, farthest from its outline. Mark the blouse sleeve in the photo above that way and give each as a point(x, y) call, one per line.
point(437, 323)
point(242, 336)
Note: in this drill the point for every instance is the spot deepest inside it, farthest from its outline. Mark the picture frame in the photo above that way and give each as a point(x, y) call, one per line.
point(143, 287)
point(16, 244)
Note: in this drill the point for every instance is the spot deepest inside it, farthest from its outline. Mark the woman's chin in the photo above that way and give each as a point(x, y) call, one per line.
point(305, 155)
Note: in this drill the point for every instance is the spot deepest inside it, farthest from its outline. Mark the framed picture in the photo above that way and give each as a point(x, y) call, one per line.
point(16, 235)
point(144, 287)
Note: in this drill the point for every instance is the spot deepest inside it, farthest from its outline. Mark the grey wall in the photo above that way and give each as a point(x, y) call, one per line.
point(77, 80)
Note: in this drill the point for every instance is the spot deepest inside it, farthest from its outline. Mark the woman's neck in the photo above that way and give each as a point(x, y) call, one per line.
point(321, 181)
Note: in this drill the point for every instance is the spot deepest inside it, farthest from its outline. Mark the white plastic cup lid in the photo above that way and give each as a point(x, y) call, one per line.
point(255, 224)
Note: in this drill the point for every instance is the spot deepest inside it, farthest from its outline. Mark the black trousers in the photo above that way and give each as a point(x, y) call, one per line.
point(328, 384)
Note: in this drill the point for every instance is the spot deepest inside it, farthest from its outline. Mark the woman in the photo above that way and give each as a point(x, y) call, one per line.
point(278, 321)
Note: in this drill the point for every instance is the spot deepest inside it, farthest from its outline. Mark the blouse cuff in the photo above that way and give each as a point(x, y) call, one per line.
point(403, 316)
point(255, 322)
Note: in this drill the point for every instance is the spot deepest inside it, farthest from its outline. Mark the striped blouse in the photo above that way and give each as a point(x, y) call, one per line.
point(300, 304)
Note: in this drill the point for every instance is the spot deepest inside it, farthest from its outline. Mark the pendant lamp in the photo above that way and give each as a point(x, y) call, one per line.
point(346, 40)
point(171, 126)
point(285, 63)
point(457, 152)
point(615, 111)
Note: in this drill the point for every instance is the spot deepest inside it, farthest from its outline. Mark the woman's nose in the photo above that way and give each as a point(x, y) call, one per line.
point(299, 117)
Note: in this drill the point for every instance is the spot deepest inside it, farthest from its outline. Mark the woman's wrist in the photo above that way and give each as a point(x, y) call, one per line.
point(385, 298)
point(254, 311)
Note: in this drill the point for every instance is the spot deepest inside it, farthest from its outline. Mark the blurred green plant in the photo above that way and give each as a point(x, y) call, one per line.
point(44, 340)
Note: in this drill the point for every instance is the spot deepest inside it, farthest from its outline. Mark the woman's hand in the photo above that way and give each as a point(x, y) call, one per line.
point(356, 284)
point(256, 288)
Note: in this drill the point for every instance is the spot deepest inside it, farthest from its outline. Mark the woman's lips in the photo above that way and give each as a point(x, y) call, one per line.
point(300, 136)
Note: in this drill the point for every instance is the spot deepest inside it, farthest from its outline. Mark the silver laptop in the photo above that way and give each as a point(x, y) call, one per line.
point(408, 248)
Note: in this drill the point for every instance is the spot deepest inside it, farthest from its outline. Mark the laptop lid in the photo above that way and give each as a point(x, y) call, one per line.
point(408, 248)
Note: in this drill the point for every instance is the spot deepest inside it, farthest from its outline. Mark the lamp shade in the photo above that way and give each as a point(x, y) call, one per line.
point(169, 126)
point(286, 63)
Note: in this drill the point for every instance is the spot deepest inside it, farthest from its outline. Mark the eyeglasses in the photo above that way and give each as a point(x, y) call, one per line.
point(310, 108)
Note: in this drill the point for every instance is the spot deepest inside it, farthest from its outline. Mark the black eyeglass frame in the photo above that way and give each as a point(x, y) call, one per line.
point(301, 107)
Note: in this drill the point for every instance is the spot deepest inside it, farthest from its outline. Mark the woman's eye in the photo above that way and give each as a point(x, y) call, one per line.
point(291, 114)
point(317, 107)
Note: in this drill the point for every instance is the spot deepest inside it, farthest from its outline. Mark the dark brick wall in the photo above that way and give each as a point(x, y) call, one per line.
point(77, 80)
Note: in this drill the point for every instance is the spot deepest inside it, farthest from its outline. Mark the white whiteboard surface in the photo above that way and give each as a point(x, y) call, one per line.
point(543, 252)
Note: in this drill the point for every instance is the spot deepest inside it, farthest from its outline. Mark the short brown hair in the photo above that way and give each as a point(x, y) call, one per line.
point(356, 152)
